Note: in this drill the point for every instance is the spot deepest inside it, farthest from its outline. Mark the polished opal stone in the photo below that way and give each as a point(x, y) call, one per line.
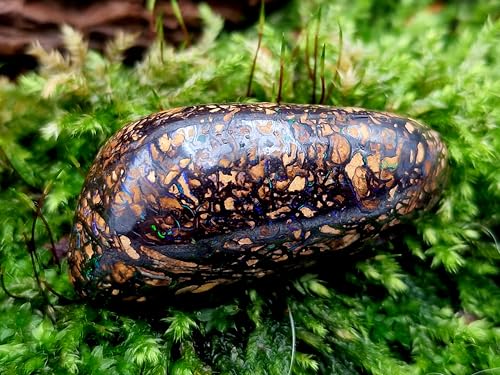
point(188, 199)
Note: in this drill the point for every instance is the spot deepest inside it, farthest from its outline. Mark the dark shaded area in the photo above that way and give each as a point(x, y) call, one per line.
point(23, 21)
point(331, 267)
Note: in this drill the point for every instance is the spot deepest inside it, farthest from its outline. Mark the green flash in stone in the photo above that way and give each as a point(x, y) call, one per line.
point(186, 200)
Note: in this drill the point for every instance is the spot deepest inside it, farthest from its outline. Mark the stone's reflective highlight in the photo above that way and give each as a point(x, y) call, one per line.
point(196, 197)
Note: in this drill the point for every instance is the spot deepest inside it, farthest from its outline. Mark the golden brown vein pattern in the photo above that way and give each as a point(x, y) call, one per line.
point(196, 197)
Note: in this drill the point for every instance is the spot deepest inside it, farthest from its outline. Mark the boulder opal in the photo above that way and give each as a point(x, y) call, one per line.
point(185, 200)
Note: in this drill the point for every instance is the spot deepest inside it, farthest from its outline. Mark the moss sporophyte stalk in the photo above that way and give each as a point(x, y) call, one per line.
point(422, 298)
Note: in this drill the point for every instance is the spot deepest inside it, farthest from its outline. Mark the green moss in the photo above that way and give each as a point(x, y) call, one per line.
point(427, 302)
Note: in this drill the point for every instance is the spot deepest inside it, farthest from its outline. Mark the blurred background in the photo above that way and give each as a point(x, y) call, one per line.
point(24, 21)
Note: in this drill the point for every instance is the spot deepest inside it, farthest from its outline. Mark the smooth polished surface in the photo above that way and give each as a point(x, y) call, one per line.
point(196, 197)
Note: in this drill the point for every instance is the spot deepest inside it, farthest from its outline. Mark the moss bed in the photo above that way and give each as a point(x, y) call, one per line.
point(424, 302)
